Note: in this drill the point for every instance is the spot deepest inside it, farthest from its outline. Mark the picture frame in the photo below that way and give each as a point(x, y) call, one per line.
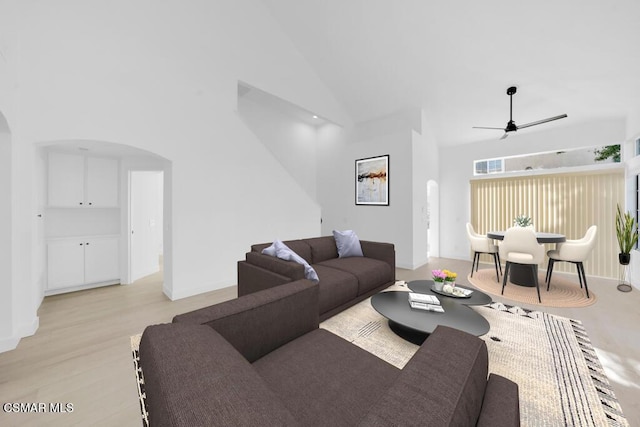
point(372, 181)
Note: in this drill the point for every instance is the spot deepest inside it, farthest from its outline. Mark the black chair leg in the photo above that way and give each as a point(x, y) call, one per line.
point(499, 262)
point(584, 277)
point(549, 272)
point(506, 274)
point(495, 261)
point(535, 279)
point(473, 264)
point(579, 273)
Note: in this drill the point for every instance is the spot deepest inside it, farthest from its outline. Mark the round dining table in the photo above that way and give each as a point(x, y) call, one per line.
point(520, 274)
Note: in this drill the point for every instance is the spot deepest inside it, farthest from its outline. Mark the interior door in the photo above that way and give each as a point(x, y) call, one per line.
point(145, 210)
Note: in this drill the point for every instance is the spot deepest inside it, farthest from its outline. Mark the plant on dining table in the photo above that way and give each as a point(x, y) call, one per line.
point(522, 221)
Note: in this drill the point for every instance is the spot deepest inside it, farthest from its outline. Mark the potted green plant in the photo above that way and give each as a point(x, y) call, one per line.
point(522, 221)
point(627, 234)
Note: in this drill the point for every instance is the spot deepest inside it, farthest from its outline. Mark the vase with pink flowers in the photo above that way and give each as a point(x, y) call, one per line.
point(439, 277)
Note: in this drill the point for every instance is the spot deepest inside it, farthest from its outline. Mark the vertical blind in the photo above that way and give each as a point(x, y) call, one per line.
point(565, 203)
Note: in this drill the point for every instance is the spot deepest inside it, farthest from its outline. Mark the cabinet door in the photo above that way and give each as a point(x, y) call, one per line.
point(102, 182)
point(65, 264)
point(66, 180)
point(101, 260)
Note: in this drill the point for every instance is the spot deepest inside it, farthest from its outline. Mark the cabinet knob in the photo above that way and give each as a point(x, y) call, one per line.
point(90, 203)
point(80, 202)
point(87, 243)
point(81, 244)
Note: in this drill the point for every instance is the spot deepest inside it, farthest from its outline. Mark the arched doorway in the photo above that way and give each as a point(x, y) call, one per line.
point(115, 220)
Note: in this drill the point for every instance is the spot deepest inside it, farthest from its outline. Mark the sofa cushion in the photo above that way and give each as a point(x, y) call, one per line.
point(371, 273)
point(347, 243)
point(324, 380)
point(300, 247)
point(185, 368)
point(336, 287)
point(322, 248)
point(282, 251)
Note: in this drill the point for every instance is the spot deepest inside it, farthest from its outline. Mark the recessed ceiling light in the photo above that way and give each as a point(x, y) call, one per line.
point(315, 117)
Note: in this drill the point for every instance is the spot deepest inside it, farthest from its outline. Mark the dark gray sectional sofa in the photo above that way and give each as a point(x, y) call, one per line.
point(343, 281)
point(261, 360)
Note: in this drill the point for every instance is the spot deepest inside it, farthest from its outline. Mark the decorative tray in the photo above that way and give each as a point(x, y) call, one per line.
point(467, 293)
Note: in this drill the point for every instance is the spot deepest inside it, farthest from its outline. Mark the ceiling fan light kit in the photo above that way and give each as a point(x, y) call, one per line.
point(511, 125)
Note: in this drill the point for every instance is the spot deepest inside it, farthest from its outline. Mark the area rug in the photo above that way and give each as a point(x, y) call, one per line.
point(563, 292)
point(560, 378)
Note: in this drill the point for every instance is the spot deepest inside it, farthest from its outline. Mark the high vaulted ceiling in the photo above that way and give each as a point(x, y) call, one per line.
point(455, 59)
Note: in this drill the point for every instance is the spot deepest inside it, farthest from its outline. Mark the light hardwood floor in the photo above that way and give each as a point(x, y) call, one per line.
point(81, 352)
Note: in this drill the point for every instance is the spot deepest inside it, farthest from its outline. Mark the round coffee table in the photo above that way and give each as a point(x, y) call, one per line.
point(415, 325)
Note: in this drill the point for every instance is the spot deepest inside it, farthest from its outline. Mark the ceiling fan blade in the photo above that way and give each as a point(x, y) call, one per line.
point(482, 127)
point(506, 134)
point(539, 122)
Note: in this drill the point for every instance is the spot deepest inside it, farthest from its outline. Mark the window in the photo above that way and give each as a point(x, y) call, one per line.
point(482, 167)
point(575, 157)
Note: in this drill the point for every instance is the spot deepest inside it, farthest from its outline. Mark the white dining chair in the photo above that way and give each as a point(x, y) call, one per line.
point(482, 245)
point(574, 251)
point(520, 246)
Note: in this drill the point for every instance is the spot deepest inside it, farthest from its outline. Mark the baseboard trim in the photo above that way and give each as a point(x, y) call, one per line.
point(174, 294)
point(8, 344)
point(23, 330)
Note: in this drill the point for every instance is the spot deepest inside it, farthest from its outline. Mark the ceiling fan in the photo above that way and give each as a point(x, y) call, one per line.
point(511, 125)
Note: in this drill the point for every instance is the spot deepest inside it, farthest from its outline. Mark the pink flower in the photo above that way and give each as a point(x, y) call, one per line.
point(438, 275)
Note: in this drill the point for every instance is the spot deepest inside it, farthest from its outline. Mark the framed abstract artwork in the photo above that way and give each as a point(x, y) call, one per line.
point(372, 181)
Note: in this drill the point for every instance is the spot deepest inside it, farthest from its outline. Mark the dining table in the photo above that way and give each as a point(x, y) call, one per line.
point(522, 274)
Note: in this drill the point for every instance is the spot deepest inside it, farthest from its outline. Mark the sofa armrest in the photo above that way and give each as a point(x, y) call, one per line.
point(290, 269)
point(194, 377)
point(258, 323)
point(442, 385)
point(501, 405)
point(252, 278)
point(381, 251)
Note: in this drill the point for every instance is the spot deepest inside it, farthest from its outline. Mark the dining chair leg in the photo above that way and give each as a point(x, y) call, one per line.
point(478, 262)
point(506, 274)
point(495, 261)
point(535, 280)
point(549, 272)
point(473, 264)
point(499, 262)
point(579, 273)
point(584, 277)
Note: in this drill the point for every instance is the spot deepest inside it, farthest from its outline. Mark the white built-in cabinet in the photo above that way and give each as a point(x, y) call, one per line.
point(75, 262)
point(80, 181)
point(82, 222)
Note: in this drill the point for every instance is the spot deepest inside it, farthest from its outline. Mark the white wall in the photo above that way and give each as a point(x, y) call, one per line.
point(425, 167)
point(455, 176)
point(6, 310)
point(292, 142)
point(160, 77)
point(338, 149)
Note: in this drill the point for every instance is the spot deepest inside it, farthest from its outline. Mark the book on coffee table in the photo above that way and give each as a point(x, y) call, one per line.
point(424, 298)
point(426, 307)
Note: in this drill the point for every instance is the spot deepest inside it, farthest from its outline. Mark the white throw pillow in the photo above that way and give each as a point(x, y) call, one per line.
point(347, 243)
point(282, 251)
